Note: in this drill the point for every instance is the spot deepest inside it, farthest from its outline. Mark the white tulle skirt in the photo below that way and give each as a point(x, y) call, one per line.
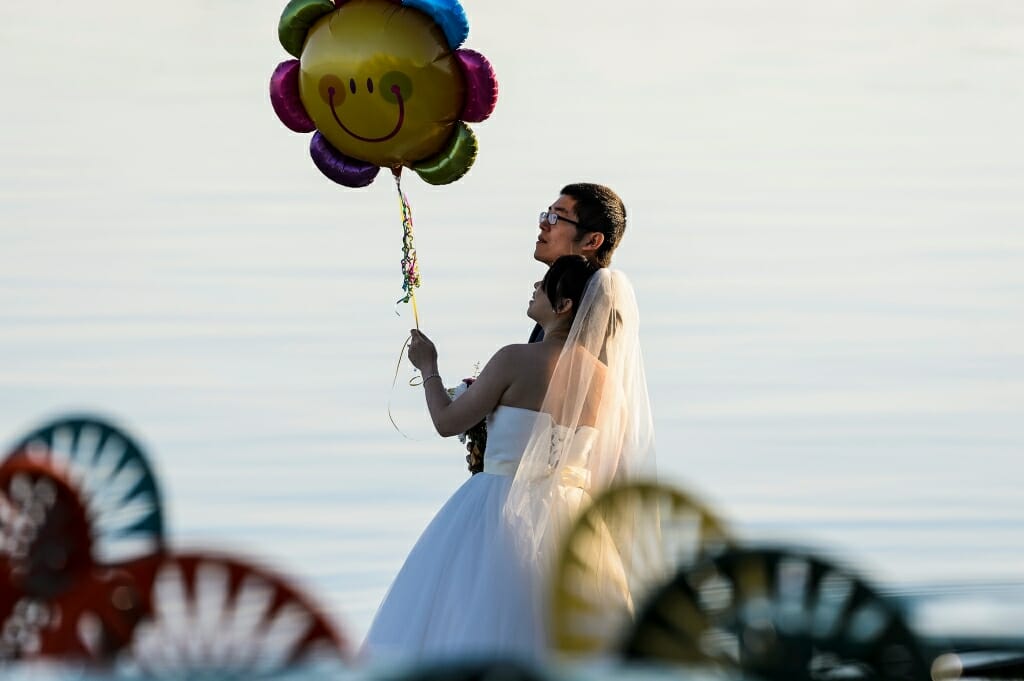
point(464, 590)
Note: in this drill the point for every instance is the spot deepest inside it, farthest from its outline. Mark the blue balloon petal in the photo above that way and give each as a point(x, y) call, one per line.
point(448, 14)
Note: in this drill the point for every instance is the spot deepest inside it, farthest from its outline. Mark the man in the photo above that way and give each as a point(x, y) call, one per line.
point(588, 220)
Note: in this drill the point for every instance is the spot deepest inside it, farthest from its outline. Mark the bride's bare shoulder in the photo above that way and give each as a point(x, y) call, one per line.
point(507, 354)
point(520, 351)
point(518, 355)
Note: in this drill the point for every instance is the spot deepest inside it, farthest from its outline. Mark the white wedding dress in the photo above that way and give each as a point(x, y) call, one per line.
point(477, 581)
point(467, 589)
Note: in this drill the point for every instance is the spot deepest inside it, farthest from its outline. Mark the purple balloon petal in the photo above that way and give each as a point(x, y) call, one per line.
point(284, 97)
point(481, 86)
point(339, 167)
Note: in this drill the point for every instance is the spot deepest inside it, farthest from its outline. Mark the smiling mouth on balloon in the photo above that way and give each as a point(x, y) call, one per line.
point(398, 126)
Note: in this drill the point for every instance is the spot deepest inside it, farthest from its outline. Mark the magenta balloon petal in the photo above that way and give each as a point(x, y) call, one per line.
point(339, 167)
point(284, 96)
point(481, 86)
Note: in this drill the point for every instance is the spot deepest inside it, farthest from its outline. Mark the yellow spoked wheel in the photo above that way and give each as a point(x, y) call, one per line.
point(624, 546)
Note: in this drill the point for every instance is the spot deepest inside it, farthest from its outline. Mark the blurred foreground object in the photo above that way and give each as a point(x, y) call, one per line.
point(86, 575)
point(45, 553)
point(650, 583)
point(650, 575)
point(779, 616)
point(474, 670)
point(625, 545)
point(217, 616)
point(113, 478)
point(79, 505)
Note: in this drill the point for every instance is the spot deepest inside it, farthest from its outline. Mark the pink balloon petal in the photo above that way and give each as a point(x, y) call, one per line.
point(284, 96)
point(481, 86)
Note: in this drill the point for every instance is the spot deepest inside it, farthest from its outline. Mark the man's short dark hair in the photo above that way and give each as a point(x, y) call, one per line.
point(599, 209)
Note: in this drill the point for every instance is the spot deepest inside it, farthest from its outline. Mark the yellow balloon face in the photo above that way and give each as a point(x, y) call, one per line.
point(380, 82)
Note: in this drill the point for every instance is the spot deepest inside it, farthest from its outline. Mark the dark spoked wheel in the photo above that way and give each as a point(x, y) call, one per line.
point(778, 615)
point(113, 478)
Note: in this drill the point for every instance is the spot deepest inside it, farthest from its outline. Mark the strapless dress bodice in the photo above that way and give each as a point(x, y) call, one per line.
point(509, 430)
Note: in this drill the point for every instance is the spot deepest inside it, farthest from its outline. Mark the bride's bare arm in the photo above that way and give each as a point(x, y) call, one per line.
point(452, 417)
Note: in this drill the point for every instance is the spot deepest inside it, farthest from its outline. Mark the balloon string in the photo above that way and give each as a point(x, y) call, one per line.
point(414, 381)
point(410, 282)
point(410, 262)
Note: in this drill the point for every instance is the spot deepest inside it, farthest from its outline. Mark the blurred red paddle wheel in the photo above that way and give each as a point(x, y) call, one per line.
point(45, 551)
point(205, 613)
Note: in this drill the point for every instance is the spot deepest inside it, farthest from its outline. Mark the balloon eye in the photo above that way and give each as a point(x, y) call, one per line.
point(395, 84)
point(369, 85)
point(331, 90)
point(352, 85)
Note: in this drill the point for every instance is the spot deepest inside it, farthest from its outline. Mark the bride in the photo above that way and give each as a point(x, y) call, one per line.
point(566, 418)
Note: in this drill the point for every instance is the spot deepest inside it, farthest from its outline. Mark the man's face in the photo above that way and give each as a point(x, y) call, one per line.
point(558, 239)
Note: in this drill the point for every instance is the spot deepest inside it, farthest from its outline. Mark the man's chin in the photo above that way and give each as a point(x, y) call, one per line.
point(540, 257)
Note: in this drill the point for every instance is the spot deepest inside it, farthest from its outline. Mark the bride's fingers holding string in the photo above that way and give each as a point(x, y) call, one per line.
point(422, 352)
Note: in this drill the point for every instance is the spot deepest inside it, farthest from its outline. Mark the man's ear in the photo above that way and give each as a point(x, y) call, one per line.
point(591, 242)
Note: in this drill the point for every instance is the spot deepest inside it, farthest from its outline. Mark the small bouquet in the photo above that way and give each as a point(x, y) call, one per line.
point(475, 438)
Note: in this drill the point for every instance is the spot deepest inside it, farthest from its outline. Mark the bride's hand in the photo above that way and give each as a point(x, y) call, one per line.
point(422, 352)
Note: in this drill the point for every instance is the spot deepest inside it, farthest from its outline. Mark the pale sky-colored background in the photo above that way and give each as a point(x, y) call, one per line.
point(826, 216)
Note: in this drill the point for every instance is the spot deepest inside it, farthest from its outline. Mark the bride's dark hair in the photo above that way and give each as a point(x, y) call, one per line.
point(567, 279)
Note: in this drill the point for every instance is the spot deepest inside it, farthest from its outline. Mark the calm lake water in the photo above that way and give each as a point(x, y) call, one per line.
point(826, 236)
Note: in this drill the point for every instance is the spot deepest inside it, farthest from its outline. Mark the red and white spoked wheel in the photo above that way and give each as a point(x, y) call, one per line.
point(214, 614)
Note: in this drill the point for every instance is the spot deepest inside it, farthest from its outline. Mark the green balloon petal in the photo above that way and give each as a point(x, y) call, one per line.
point(296, 20)
point(452, 162)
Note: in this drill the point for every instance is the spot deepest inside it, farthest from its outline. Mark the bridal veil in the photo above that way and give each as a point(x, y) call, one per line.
point(600, 431)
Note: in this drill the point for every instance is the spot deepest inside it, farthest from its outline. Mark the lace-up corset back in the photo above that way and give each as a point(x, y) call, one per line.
point(509, 430)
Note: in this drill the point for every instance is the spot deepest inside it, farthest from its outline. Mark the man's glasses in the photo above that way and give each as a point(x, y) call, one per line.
point(552, 218)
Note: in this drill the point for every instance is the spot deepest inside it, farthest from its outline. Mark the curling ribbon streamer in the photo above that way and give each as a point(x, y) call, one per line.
point(410, 265)
point(414, 381)
point(410, 282)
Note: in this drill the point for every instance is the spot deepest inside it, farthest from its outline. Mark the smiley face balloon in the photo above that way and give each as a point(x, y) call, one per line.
point(384, 84)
